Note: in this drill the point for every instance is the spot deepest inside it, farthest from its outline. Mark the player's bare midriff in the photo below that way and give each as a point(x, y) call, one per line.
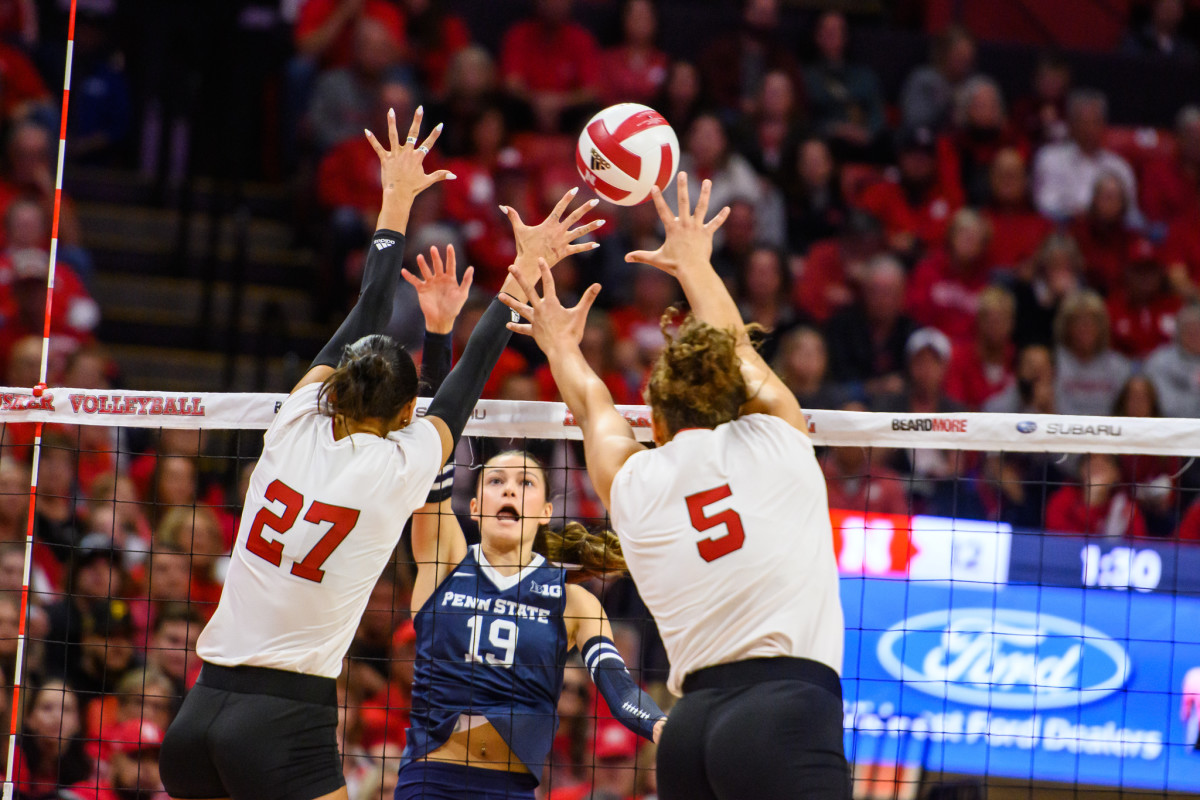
point(481, 747)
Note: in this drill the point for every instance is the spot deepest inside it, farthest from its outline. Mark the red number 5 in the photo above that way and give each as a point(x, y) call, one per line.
point(343, 519)
point(713, 548)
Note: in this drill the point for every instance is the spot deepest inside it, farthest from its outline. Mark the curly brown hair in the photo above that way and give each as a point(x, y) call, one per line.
point(697, 380)
point(597, 553)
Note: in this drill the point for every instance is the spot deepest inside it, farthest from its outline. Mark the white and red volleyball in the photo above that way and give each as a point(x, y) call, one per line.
point(625, 151)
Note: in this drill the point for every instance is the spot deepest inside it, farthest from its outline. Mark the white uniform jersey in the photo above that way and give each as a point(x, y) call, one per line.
point(320, 522)
point(727, 535)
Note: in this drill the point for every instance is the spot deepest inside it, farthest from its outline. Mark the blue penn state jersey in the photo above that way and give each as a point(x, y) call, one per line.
point(494, 646)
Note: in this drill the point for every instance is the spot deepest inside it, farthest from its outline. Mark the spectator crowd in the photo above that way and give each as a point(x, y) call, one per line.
point(944, 249)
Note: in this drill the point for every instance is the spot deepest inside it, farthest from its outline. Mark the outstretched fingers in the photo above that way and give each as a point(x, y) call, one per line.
point(375, 145)
point(578, 213)
point(664, 210)
point(716, 222)
point(702, 202)
point(589, 297)
point(393, 133)
point(684, 206)
point(583, 230)
point(414, 129)
point(548, 289)
point(563, 203)
point(526, 286)
point(524, 309)
point(513, 217)
point(431, 139)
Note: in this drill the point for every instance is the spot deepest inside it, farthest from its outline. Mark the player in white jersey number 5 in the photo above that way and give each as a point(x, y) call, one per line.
point(343, 466)
point(725, 528)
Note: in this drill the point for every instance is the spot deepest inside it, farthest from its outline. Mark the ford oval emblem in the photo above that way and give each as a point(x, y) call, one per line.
point(1002, 658)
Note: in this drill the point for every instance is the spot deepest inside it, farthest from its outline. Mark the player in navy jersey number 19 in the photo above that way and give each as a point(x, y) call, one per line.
point(494, 624)
point(725, 527)
point(343, 466)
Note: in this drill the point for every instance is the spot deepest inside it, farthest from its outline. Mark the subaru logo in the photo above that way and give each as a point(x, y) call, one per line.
point(1026, 426)
point(1001, 658)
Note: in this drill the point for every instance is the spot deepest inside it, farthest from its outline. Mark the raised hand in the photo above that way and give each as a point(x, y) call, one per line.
point(550, 324)
point(552, 238)
point(689, 237)
point(402, 167)
point(439, 294)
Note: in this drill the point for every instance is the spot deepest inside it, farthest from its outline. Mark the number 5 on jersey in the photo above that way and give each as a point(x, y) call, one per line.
point(735, 535)
point(309, 568)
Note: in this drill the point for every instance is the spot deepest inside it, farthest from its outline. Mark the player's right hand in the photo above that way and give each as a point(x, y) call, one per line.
point(402, 168)
point(552, 238)
point(689, 237)
point(551, 325)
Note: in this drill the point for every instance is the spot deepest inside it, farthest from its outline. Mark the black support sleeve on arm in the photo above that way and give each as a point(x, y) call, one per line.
point(381, 276)
point(460, 391)
point(629, 705)
point(436, 357)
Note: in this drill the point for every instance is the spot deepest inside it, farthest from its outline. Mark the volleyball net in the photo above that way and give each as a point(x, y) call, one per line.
point(1021, 594)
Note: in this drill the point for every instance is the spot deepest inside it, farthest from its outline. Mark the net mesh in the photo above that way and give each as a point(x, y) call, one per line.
point(1020, 595)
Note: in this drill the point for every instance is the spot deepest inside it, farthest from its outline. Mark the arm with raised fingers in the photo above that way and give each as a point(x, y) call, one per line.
point(552, 240)
point(404, 178)
point(608, 439)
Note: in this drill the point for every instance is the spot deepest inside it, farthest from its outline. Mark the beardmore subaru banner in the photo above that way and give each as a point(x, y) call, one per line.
point(1043, 683)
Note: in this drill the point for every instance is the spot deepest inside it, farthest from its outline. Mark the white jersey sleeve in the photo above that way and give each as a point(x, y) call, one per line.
point(727, 535)
point(320, 522)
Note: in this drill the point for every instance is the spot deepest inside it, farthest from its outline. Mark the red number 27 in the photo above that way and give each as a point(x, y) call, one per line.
point(713, 548)
point(309, 568)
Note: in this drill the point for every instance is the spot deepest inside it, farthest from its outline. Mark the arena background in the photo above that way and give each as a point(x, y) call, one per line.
point(216, 198)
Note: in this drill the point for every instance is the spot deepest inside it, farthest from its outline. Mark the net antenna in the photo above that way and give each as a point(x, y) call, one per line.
point(15, 715)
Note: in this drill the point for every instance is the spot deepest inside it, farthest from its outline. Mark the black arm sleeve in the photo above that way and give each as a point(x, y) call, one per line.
point(629, 705)
point(381, 276)
point(460, 392)
point(436, 356)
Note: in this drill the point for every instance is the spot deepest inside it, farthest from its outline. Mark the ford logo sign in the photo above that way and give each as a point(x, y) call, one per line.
point(1026, 426)
point(1001, 658)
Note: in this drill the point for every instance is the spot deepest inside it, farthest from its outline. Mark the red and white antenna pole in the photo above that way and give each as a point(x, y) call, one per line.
point(18, 672)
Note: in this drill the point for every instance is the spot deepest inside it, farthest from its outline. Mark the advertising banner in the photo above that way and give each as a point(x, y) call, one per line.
point(1043, 683)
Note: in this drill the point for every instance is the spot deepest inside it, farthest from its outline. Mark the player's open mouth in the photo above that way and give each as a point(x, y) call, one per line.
point(508, 514)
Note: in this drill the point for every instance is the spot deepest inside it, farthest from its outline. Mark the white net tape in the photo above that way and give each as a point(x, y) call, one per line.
point(1030, 433)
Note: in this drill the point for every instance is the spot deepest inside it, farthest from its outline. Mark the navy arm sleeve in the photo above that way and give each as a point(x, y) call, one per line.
point(381, 276)
point(629, 705)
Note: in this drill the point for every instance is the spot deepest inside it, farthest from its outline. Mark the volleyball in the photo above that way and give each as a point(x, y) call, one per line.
point(624, 151)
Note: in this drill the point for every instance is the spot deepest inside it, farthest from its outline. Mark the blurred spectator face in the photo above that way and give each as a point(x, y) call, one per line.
point(176, 481)
point(1009, 180)
point(88, 370)
point(960, 59)
point(173, 646)
point(1060, 272)
point(119, 516)
point(640, 23)
point(54, 714)
point(1139, 400)
point(917, 166)
point(554, 12)
point(207, 544)
point(375, 48)
point(26, 226)
point(170, 576)
point(764, 276)
point(136, 773)
point(180, 442)
point(10, 619)
point(487, 134)
point(98, 577)
point(12, 570)
point(25, 362)
point(1099, 470)
point(815, 163)
point(927, 371)
point(1084, 334)
point(1087, 125)
point(14, 490)
point(1166, 15)
point(996, 318)
point(761, 15)
point(985, 108)
point(883, 296)
point(777, 96)
point(1035, 364)
point(1188, 331)
point(29, 154)
point(519, 387)
point(738, 227)
point(968, 241)
point(683, 84)
point(1052, 81)
point(1108, 201)
point(472, 73)
point(807, 357)
point(151, 703)
point(706, 142)
point(655, 289)
point(831, 36)
point(107, 655)
point(394, 94)
point(56, 472)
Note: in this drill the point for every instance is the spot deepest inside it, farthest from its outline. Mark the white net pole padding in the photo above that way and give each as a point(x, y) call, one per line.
point(1028, 433)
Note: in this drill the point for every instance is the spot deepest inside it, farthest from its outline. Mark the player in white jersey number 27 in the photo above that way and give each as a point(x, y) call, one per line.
point(725, 528)
point(343, 466)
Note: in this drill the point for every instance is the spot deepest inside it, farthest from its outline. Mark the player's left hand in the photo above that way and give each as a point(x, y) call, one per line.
point(402, 168)
point(551, 239)
point(550, 324)
point(439, 294)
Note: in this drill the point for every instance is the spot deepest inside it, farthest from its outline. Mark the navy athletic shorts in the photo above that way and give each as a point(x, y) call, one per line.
point(766, 728)
point(433, 780)
point(251, 733)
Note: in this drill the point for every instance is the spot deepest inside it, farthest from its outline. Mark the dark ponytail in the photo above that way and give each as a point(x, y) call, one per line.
point(598, 553)
point(375, 378)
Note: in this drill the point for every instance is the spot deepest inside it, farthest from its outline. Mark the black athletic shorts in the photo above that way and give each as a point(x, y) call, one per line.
point(760, 729)
point(251, 733)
